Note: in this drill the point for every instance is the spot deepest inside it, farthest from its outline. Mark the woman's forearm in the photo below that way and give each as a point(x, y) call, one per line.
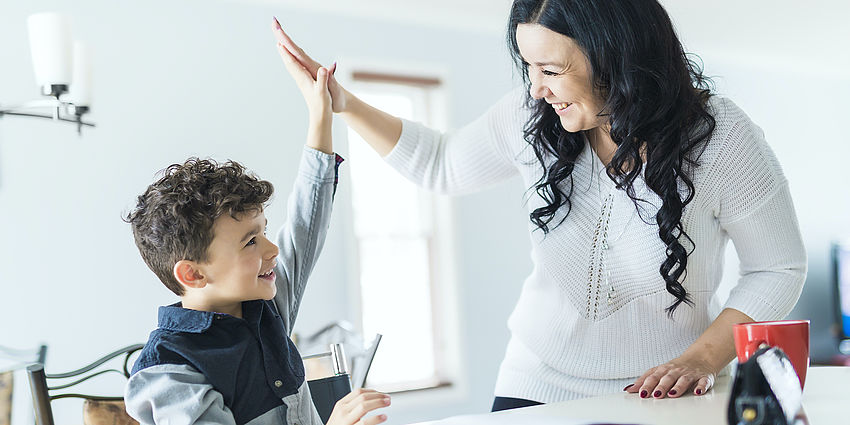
point(380, 129)
point(716, 346)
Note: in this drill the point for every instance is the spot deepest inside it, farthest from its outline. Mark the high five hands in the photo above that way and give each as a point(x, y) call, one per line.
point(305, 66)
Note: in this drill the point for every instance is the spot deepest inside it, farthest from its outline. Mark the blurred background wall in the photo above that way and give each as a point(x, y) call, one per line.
point(201, 78)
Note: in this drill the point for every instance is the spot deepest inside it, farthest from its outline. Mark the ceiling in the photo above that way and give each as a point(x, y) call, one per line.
point(488, 16)
point(814, 34)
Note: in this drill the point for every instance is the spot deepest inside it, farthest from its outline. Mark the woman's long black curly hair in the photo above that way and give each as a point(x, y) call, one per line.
point(656, 103)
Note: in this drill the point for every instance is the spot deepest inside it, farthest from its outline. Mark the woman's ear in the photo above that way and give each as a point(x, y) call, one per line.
point(189, 274)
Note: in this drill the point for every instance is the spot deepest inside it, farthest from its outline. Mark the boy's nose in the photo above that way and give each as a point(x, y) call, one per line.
point(272, 250)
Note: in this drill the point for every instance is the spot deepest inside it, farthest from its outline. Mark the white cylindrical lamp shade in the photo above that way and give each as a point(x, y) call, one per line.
point(80, 93)
point(50, 45)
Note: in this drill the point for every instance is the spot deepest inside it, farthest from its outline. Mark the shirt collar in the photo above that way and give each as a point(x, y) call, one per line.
point(176, 318)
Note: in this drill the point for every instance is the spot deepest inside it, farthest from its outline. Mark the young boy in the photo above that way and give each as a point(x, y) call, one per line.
point(223, 354)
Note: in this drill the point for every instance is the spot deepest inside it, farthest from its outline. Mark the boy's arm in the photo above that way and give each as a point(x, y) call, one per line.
point(302, 236)
point(309, 207)
point(174, 394)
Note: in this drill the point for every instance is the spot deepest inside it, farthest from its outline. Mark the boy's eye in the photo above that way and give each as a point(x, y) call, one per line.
point(252, 241)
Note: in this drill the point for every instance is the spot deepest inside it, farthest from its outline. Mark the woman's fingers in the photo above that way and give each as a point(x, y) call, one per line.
point(650, 383)
point(296, 51)
point(301, 76)
point(666, 383)
point(683, 384)
point(704, 384)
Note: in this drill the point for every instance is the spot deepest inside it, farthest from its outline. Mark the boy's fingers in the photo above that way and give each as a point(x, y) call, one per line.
point(354, 394)
point(322, 79)
point(374, 420)
point(361, 409)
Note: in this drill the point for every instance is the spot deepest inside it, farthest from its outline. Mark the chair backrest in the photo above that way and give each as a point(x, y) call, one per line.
point(328, 379)
point(43, 394)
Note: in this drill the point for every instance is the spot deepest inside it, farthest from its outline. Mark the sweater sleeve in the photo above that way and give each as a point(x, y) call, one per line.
point(756, 210)
point(472, 158)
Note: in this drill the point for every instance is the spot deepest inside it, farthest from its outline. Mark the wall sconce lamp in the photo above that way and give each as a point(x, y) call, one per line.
point(62, 69)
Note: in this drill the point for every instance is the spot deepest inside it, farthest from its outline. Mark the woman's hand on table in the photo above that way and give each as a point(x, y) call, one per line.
point(338, 94)
point(674, 379)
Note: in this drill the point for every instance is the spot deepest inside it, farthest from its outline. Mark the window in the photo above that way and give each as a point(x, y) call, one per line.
point(398, 232)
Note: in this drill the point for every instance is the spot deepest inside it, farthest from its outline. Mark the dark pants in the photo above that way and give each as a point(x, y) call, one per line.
point(507, 403)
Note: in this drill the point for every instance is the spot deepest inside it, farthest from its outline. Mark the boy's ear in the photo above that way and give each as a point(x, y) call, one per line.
point(188, 274)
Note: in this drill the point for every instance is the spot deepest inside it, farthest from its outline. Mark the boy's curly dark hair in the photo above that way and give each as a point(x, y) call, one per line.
point(173, 219)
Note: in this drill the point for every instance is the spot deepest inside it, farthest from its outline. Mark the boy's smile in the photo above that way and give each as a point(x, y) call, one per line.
point(240, 266)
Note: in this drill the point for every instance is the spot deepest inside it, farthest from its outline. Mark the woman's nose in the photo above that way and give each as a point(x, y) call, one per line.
point(537, 90)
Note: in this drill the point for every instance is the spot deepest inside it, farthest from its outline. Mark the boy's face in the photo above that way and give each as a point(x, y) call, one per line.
point(241, 261)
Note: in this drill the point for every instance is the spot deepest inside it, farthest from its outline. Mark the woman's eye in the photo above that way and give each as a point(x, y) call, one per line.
point(549, 73)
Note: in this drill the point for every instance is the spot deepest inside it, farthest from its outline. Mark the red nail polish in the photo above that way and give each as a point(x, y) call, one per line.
point(643, 394)
point(699, 391)
point(657, 394)
point(672, 392)
point(276, 22)
point(628, 386)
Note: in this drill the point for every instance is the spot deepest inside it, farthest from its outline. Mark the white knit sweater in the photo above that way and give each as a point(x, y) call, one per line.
point(568, 339)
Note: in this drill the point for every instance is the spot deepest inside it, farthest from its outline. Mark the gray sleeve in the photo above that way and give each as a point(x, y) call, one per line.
point(174, 395)
point(302, 236)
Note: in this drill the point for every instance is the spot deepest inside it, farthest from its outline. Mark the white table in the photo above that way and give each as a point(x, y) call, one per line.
point(826, 401)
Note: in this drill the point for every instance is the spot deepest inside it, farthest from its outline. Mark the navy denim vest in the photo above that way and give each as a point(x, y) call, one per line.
point(250, 361)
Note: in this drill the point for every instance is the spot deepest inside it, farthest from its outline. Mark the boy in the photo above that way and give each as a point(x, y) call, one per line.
point(223, 354)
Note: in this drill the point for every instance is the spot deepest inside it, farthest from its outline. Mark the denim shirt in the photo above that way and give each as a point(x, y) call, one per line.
point(202, 367)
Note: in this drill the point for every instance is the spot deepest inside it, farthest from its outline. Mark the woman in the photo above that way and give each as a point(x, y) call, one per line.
point(638, 176)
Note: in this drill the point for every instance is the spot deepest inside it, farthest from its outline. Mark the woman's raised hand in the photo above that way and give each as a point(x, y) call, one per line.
point(352, 408)
point(311, 67)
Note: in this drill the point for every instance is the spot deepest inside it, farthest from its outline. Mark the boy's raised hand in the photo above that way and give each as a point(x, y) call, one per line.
point(352, 408)
point(315, 91)
point(311, 66)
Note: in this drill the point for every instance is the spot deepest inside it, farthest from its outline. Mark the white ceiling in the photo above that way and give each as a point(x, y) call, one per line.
point(815, 33)
point(489, 16)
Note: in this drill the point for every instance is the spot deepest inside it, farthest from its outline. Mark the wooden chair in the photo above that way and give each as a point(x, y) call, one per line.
point(97, 410)
point(13, 360)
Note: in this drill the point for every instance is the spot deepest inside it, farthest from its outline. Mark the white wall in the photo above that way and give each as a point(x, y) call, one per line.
point(175, 79)
point(194, 77)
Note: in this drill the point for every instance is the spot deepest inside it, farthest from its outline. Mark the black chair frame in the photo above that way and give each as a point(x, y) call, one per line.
point(41, 396)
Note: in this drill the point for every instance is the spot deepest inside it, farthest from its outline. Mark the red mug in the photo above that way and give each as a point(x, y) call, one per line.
point(792, 336)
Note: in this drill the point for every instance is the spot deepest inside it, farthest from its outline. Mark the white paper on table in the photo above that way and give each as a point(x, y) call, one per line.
point(511, 418)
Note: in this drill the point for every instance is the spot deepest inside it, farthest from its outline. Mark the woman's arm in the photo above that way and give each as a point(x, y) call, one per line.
point(476, 156)
point(378, 128)
point(752, 203)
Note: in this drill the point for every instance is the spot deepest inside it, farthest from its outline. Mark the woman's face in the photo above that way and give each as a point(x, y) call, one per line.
point(560, 75)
